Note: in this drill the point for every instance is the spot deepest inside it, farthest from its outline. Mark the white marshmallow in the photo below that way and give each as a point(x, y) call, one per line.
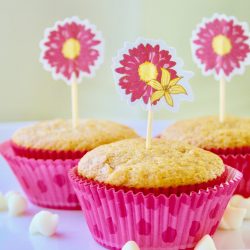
point(17, 204)
point(206, 243)
point(130, 245)
point(9, 193)
point(3, 202)
point(44, 223)
point(233, 218)
point(247, 216)
point(241, 202)
point(235, 200)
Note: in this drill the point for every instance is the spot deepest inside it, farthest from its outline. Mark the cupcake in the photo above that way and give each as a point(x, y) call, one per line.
point(165, 197)
point(230, 140)
point(41, 155)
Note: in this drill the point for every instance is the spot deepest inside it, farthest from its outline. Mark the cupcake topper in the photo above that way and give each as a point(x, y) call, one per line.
point(72, 49)
point(221, 46)
point(148, 72)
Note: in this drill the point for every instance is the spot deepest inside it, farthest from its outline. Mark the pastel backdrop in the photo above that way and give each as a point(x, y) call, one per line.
point(28, 92)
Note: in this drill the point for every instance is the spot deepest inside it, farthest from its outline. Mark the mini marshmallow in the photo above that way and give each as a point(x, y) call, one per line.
point(233, 218)
point(17, 204)
point(9, 193)
point(3, 202)
point(44, 223)
point(241, 202)
point(235, 200)
point(206, 243)
point(130, 245)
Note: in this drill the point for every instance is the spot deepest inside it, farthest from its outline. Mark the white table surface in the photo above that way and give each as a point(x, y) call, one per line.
point(72, 230)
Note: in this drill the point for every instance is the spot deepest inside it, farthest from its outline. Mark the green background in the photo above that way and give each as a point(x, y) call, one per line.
point(28, 92)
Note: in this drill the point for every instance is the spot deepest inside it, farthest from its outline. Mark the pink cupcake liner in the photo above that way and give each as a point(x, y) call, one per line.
point(45, 182)
point(238, 158)
point(46, 154)
point(230, 151)
point(168, 191)
point(155, 221)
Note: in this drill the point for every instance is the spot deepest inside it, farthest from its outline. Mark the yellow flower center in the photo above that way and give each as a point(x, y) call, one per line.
point(71, 48)
point(221, 45)
point(147, 71)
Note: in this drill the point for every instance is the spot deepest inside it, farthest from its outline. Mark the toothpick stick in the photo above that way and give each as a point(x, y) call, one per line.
point(222, 99)
point(74, 103)
point(149, 129)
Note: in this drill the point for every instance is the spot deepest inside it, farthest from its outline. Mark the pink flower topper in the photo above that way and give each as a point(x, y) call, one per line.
point(148, 72)
point(72, 49)
point(221, 46)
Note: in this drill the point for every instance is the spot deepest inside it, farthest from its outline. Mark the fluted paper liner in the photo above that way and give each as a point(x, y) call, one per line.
point(155, 221)
point(238, 158)
point(47, 154)
point(45, 182)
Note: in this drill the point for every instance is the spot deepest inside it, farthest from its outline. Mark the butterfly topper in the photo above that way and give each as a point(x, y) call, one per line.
point(72, 49)
point(221, 46)
point(148, 72)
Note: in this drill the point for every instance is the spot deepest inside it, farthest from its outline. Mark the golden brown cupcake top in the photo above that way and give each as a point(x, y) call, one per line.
point(59, 134)
point(128, 163)
point(208, 132)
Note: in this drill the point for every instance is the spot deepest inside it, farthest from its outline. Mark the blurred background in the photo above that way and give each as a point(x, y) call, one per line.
point(28, 92)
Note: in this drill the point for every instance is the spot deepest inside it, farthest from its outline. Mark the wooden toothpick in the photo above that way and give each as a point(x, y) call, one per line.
point(149, 128)
point(222, 99)
point(74, 103)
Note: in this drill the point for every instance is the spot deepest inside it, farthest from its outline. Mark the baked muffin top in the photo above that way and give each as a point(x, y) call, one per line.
point(128, 163)
point(59, 135)
point(208, 132)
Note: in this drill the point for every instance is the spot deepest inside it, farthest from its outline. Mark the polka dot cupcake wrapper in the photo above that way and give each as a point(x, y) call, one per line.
point(45, 182)
point(153, 221)
point(46, 154)
point(238, 158)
